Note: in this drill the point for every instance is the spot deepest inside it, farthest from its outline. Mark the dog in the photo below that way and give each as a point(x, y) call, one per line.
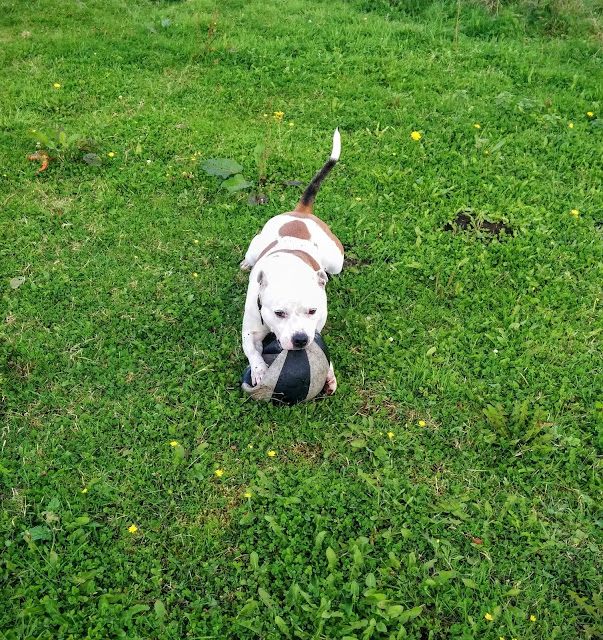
point(289, 262)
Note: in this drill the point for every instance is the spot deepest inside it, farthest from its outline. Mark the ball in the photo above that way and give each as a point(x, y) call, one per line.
point(292, 376)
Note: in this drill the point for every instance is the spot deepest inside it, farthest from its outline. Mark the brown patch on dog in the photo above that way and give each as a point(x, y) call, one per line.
point(300, 212)
point(267, 249)
point(302, 255)
point(295, 229)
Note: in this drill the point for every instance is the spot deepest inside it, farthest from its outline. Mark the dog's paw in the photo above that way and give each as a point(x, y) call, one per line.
point(245, 266)
point(330, 384)
point(257, 373)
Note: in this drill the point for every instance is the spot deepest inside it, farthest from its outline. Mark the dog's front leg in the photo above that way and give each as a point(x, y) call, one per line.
point(253, 347)
point(331, 382)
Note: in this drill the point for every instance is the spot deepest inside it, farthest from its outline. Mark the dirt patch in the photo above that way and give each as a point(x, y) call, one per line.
point(355, 262)
point(465, 221)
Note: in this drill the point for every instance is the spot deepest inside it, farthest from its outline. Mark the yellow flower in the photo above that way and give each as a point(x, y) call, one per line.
point(84, 490)
point(575, 212)
point(486, 152)
point(415, 135)
point(272, 453)
point(173, 443)
point(533, 618)
point(250, 446)
point(133, 529)
point(394, 154)
point(421, 423)
point(219, 472)
point(111, 154)
point(358, 199)
point(501, 638)
point(571, 125)
point(488, 616)
point(590, 114)
point(57, 85)
point(390, 434)
point(265, 115)
point(291, 124)
point(195, 275)
point(477, 126)
point(196, 241)
point(247, 494)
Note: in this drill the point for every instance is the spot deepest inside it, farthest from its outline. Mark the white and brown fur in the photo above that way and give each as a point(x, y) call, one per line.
point(289, 261)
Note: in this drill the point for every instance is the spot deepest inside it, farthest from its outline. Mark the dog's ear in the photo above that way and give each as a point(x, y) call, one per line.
point(322, 279)
point(262, 280)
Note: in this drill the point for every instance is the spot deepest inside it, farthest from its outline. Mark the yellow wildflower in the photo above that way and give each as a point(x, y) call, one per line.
point(57, 85)
point(133, 529)
point(571, 125)
point(533, 618)
point(488, 616)
point(219, 472)
point(195, 275)
point(272, 453)
point(358, 199)
point(174, 443)
point(390, 434)
point(415, 135)
point(590, 114)
point(575, 212)
point(250, 446)
point(421, 423)
point(477, 126)
point(84, 490)
point(291, 124)
point(111, 154)
point(247, 494)
point(196, 241)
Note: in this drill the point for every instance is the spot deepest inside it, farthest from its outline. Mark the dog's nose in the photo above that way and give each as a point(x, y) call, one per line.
point(299, 340)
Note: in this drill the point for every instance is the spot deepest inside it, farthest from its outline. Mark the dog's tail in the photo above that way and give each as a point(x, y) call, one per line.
point(306, 204)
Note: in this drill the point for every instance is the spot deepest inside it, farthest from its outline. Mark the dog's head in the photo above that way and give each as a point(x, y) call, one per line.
point(293, 308)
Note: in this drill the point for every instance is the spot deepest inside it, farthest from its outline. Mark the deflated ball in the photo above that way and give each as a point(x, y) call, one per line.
point(292, 376)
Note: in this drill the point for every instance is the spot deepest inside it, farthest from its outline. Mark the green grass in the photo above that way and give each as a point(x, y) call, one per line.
point(481, 356)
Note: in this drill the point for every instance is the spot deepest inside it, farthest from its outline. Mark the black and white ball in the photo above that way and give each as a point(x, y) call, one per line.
point(292, 376)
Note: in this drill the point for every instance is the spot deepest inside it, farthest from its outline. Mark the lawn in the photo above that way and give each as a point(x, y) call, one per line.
point(451, 489)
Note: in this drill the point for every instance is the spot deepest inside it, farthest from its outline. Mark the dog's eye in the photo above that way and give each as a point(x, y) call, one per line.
point(280, 314)
point(311, 312)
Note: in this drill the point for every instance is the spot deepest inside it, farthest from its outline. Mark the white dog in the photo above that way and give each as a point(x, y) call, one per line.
point(289, 261)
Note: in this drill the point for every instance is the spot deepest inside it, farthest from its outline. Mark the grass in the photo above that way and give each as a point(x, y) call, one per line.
point(451, 488)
